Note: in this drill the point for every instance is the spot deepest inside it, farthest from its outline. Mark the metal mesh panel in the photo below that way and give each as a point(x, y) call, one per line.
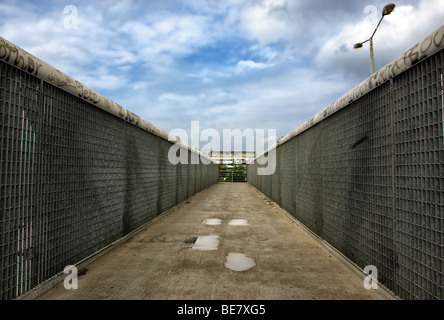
point(309, 196)
point(182, 182)
point(142, 178)
point(19, 98)
point(357, 180)
point(191, 177)
point(74, 178)
point(167, 178)
point(266, 181)
point(287, 161)
point(419, 179)
point(82, 180)
point(198, 177)
point(369, 179)
point(276, 179)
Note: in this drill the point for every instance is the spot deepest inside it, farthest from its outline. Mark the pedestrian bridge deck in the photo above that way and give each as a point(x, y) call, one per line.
point(198, 251)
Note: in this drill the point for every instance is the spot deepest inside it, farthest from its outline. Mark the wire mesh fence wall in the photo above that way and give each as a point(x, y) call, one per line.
point(75, 178)
point(369, 179)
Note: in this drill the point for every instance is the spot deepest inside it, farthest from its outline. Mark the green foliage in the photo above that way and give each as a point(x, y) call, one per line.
point(233, 173)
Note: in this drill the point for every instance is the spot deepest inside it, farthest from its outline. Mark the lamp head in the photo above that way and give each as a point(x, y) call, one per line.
point(388, 9)
point(357, 46)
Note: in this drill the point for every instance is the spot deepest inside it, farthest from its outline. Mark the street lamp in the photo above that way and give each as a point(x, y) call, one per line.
point(385, 11)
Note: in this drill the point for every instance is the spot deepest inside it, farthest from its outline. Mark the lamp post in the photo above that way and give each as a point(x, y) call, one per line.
point(385, 11)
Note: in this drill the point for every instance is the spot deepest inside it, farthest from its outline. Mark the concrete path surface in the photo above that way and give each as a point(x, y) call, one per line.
point(226, 243)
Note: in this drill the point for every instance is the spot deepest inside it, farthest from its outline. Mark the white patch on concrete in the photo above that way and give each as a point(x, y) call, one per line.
point(205, 243)
point(212, 222)
point(238, 222)
point(239, 262)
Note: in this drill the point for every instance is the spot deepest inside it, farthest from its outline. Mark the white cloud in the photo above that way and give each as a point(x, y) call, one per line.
point(249, 64)
point(173, 98)
point(90, 52)
point(207, 75)
point(267, 21)
point(397, 33)
point(137, 52)
point(279, 101)
point(105, 81)
point(172, 36)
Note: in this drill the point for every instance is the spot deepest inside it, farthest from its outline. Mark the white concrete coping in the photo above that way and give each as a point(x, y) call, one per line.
point(21, 59)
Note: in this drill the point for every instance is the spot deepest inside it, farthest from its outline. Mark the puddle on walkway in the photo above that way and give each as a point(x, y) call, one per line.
point(238, 222)
point(206, 243)
point(239, 262)
point(212, 222)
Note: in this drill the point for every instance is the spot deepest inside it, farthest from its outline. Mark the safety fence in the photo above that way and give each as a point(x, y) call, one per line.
point(367, 173)
point(78, 172)
point(227, 175)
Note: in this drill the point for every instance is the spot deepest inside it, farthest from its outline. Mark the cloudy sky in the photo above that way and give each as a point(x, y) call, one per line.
point(231, 64)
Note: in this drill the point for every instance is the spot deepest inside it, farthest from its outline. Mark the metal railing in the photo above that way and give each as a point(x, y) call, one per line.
point(232, 175)
point(75, 177)
point(366, 174)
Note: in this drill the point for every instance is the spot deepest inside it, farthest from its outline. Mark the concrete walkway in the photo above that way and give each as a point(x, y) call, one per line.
point(262, 255)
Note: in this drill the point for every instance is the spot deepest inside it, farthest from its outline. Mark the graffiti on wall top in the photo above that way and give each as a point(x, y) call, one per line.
point(25, 61)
